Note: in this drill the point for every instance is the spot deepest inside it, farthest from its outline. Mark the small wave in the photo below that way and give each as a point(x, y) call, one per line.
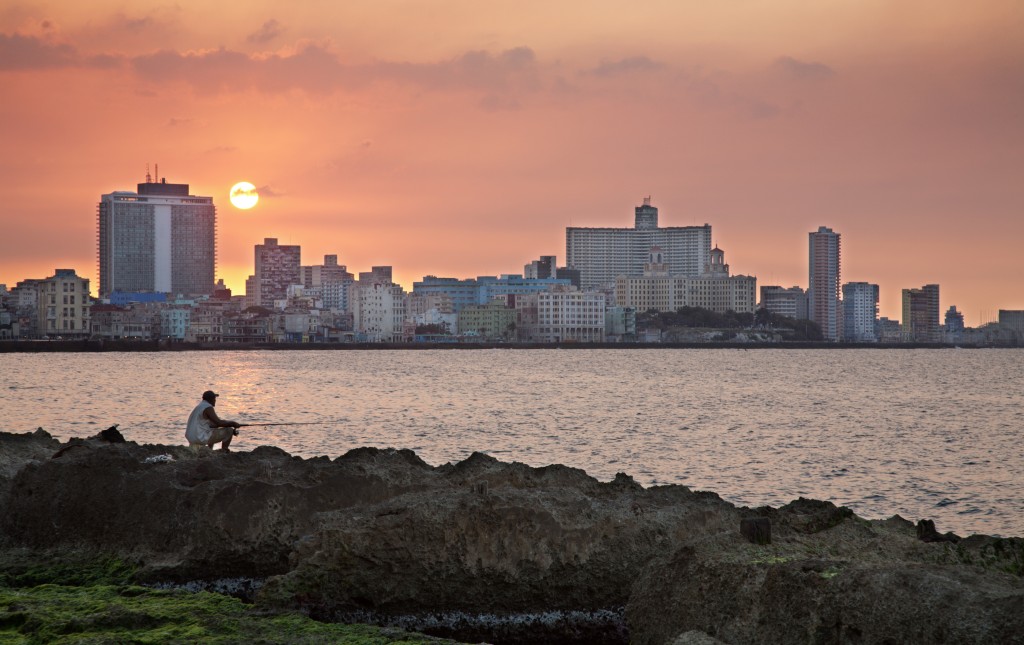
point(946, 502)
point(973, 510)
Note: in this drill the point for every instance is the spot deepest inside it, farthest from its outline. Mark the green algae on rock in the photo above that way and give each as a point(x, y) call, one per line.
point(51, 613)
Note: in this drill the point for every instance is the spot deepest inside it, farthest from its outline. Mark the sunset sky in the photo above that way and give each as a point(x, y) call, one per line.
point(460, 137)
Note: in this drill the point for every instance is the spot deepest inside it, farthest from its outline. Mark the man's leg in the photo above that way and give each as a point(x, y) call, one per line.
point(222, 436)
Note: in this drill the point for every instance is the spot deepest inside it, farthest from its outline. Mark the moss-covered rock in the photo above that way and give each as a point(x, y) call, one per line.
point(129, 614)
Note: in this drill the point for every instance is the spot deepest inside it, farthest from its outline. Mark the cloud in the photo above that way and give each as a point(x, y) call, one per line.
point(313, 68)
point(222, 150)
point(174, 122)
point(267, 32)
point(626, 66)
point(268, 192)
point(19, 52)
point(802, 70)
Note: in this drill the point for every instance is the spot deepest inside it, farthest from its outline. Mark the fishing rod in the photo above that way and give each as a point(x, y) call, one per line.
point(300, 423)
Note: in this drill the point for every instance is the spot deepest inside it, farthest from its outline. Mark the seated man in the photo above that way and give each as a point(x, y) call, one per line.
point(205, 428)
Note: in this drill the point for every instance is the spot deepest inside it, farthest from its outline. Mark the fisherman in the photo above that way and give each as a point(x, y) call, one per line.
point(205, 428)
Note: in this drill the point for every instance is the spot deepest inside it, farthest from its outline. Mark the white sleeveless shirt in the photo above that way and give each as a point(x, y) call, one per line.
point(198, 429)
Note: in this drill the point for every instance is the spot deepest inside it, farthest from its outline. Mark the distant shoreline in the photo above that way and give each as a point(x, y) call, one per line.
point(84, 346)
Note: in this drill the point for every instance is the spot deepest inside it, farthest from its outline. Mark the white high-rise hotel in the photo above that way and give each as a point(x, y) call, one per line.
point(159, 239)
point(603, 254)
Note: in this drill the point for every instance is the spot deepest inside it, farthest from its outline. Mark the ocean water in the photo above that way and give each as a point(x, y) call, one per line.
point(931, 434)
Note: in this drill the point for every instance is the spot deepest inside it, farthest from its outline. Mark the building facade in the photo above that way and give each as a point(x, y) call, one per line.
point(921, 315)
point(378, 311)
point(316, 275)
point(860, 312)
point(277, 268)
point(62, 305)
point(657, 289)
point(567, 315)
point(491, 321)
point(603, 254)
point(544, 267)
point(159, 238)
point(483, 289)
point(1013, 320)
point(790, 302)
point(823, 304)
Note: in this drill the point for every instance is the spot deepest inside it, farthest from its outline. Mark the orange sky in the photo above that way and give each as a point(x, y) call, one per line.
point(460, 138)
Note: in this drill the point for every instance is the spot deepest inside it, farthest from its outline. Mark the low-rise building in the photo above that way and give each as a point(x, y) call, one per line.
point(250, 327)
point(62, 305)
point(789, 302)
point(889, 331)
point(567, 315)
point(620, 324)
point(491, 321)
point(174, 322)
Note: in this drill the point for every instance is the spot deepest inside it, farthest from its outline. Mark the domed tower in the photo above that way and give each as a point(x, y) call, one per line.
point(716, 266)
point(656, 264)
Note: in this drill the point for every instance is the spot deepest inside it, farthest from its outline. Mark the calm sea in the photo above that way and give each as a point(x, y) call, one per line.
point(922, 433)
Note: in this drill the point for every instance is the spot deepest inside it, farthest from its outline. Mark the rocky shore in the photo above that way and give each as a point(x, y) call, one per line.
point(483, 550)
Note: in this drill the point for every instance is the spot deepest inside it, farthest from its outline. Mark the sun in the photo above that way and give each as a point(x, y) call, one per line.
point(244, 195)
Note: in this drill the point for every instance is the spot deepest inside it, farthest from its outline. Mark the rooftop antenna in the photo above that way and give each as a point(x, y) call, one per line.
point(157, 172)
point(148, 178)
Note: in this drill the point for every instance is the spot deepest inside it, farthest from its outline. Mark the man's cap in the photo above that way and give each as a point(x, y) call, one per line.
point(209, 394)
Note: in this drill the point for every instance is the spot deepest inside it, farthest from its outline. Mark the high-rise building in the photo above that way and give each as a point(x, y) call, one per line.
point(277, 268)
point(158, 239)
point(603, 254)
point(860, 312)
point(921, 315)
point(823, 304)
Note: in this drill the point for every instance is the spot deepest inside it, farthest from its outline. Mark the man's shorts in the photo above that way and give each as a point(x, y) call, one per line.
point(217, 435)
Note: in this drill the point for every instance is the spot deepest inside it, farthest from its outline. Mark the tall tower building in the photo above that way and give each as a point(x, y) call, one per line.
point(603, 254)
point(860, 312)
point(278, 266)
point(823, 305)
point(158, 239)
point(921, 315)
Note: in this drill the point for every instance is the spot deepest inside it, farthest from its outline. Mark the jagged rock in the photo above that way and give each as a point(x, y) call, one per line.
point(926, 532)
point(378, 534)
point(18, 450)
point(857, 582)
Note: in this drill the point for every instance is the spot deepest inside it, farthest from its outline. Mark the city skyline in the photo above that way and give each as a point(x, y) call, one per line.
point(462, 141)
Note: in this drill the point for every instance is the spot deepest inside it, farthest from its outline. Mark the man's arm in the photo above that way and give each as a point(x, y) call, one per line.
point(216, 421)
